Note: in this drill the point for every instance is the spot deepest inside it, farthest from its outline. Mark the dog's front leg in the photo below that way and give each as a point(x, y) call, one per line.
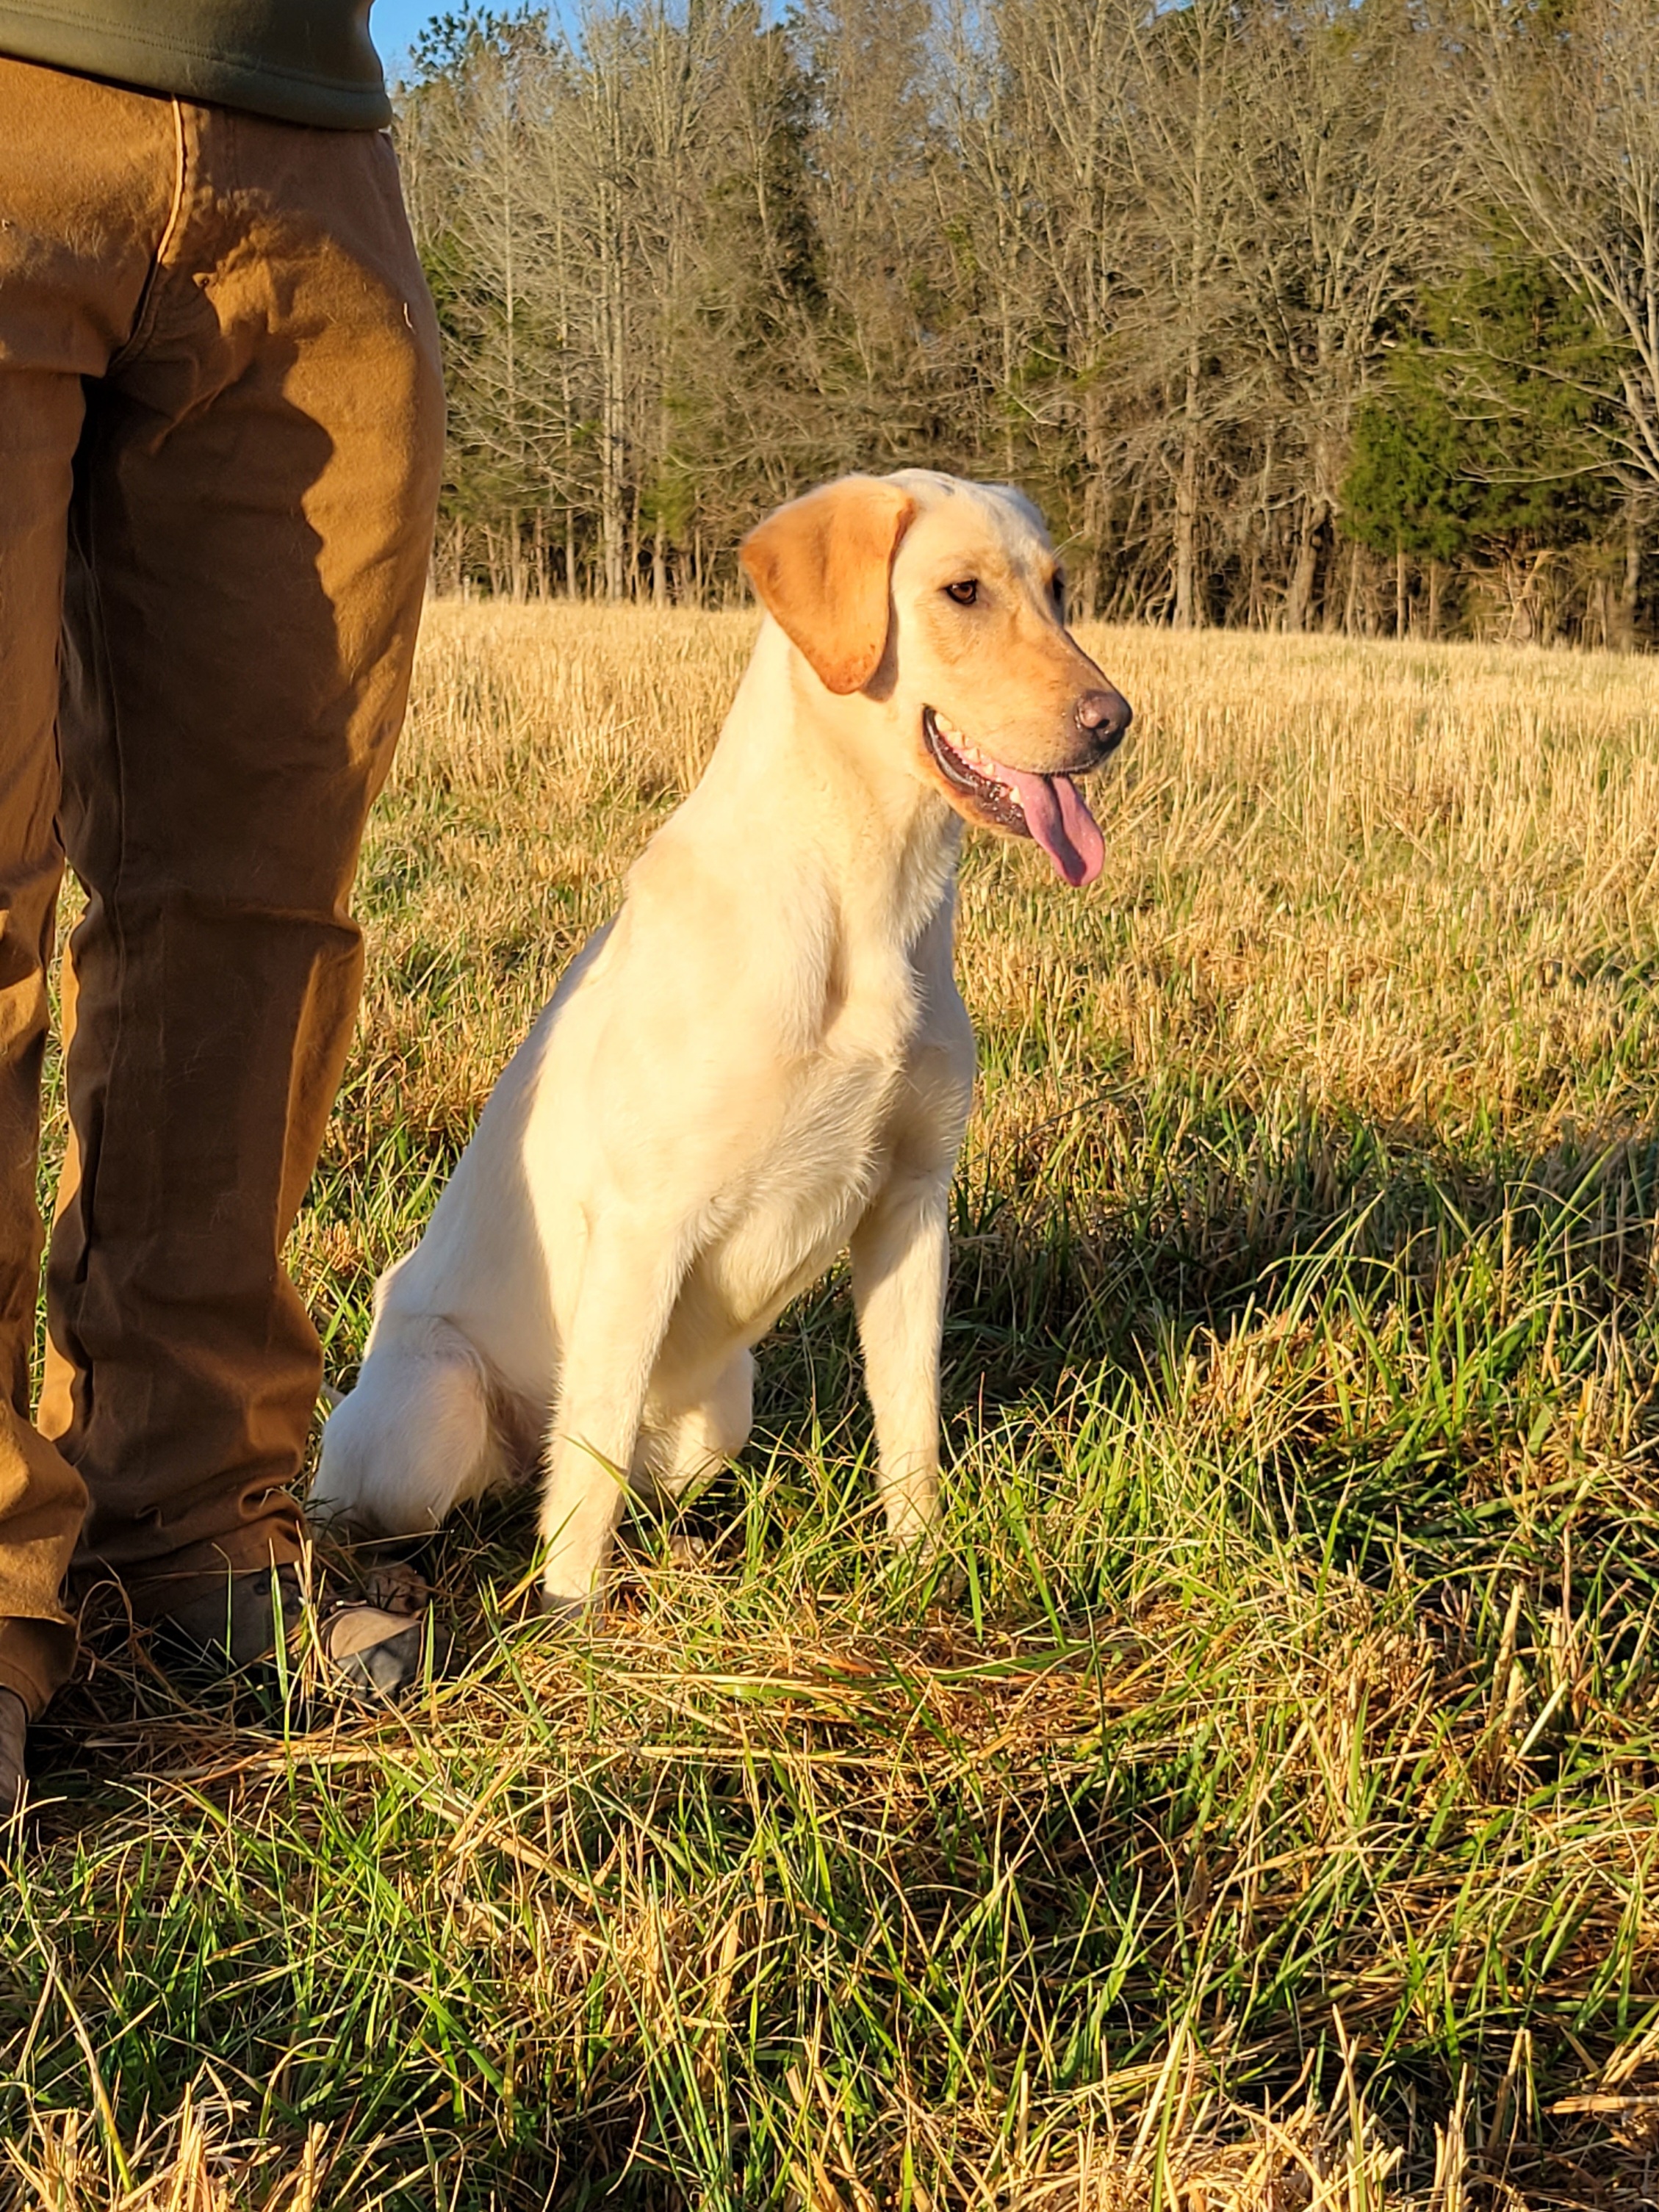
point(630, 1278)
point(901, 1255)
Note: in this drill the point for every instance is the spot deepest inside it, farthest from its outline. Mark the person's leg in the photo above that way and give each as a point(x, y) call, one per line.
point(86, 181)
point(249, 537)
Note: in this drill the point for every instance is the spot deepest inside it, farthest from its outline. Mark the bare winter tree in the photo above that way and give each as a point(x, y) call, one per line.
point(1343, 191)
point(1160, 263)
point(1563, 109)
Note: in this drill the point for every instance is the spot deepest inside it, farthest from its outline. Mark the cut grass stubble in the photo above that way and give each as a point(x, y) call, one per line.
point(1265, 1816)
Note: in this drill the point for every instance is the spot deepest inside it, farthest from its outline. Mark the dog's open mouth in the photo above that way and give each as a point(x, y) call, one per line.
point(1049, 808)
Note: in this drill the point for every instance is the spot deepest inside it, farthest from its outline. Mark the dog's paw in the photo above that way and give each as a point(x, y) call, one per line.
point(566, 1613)
point(944, 1578)
point(925, 1567)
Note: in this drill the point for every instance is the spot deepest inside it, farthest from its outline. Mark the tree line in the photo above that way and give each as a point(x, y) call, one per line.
point(1292, 315)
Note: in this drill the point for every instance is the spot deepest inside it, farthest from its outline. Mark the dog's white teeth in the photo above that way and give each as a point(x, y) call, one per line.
point(967, 752)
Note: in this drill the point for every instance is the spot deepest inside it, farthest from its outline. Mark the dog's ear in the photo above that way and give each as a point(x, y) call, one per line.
point(822, 569)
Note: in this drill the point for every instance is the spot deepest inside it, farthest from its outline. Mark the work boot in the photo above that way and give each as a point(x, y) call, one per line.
point(13, 1774)
point(365, 1649)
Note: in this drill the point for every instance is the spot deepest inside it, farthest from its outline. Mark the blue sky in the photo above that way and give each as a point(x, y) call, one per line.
point(394, 23)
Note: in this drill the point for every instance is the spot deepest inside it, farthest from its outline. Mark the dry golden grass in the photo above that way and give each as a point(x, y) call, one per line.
point(1398, 875)
point(1270, 1821)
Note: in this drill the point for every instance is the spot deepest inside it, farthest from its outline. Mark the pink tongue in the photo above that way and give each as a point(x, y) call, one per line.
point(1057, 818)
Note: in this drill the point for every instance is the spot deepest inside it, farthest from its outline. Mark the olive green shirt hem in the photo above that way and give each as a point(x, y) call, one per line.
point(89, 45)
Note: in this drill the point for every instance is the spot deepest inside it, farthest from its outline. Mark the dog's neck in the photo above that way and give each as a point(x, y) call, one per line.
point(859, 821)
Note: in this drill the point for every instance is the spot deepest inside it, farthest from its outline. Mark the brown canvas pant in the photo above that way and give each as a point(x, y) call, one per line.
point(219, 440)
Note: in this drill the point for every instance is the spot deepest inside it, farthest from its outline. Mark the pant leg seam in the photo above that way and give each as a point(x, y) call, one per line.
point(109, 898)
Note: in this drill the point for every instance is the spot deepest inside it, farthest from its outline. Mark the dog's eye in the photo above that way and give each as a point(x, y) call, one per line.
point(964, 594)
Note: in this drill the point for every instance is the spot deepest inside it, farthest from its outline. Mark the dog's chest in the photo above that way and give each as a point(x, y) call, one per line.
point(829, 1151)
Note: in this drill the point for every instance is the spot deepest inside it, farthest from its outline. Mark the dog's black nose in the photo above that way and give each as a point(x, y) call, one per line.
point(1105, 716)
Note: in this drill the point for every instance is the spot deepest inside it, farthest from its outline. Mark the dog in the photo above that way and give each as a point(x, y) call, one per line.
point(761, 1062)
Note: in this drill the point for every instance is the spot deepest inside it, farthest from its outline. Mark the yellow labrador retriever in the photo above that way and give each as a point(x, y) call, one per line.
point(760, 1062)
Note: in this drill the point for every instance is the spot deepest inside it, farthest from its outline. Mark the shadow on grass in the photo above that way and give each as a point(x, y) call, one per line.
point(1296, 1715)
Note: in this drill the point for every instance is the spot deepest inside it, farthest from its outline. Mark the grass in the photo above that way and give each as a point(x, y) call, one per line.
point(1267, 1819)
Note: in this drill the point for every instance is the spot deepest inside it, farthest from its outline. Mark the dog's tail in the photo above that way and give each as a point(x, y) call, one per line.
point(414, 1439)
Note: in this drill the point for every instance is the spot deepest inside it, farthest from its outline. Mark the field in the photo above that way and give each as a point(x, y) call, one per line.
point(1261, 1815)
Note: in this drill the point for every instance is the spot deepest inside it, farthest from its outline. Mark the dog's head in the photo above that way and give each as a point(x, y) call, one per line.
point(943, 603)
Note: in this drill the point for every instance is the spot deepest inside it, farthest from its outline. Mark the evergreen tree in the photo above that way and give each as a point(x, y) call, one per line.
point(1485, 439)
